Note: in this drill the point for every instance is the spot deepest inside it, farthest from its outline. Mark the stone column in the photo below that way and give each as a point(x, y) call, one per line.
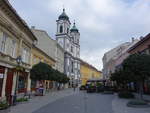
point(4, 82)
point(28, 83)
point(14, 83)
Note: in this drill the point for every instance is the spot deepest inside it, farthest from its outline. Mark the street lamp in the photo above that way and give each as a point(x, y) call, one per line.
point(19, 61)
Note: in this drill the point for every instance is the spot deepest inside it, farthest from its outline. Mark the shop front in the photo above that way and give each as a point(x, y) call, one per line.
point(9, 85)
point(22, 82)
point(2, 71)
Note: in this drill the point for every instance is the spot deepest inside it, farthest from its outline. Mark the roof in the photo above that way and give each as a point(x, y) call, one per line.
point(89, 65)
point(63, 16)
point(74, 28)
point(139, 42)
point(45, 42)
point(18, 18)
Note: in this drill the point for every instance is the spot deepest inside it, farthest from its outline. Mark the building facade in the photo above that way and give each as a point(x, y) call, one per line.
point(109, 59)
point(16, 43)
point(69, 40)
point(124, 54)
point(142, 47)
point(39, 56)
point(51, 48)
point(89, 72)
point(46, 44)
point(59, 57)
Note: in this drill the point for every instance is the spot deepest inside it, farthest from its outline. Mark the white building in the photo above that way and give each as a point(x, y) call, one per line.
point(110, 58)
point(69, 41)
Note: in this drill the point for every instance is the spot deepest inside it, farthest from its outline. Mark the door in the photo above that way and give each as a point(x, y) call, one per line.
point(9, 84)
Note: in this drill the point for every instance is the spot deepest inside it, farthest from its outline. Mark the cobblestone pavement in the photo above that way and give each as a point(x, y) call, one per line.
point(39, 101)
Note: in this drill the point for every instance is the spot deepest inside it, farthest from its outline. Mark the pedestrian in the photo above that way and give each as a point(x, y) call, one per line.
point(74, 87)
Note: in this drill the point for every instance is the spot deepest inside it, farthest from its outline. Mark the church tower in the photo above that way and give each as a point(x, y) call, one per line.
point(68, 39)
point(74, 32)
point(63, 28)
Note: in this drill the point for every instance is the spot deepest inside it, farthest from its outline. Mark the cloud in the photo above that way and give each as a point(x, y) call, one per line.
point(103, 24)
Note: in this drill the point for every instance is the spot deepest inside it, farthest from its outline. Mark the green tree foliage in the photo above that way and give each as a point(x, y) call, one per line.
point(136, 68)
point(43, 71)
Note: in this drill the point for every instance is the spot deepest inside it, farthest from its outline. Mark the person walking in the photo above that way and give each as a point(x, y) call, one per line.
point(74, 87)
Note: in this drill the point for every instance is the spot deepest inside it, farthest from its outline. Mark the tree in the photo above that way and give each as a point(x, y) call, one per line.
point(137, 67)
point(41, 71)
point(121, 78)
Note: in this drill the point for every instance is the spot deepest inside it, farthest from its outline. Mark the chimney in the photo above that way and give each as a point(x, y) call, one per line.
point(141, 37)
point(32, 27)
point(132, 39)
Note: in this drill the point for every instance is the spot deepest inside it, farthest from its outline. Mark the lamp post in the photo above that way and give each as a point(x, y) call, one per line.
point(19, 61)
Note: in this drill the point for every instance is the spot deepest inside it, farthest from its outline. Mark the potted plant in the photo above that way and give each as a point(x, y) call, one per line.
point(3, 105)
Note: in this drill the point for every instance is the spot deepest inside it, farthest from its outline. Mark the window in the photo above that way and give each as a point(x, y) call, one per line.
point(61, 29)
point(13, 48)
point(67, 30)
point(72, 67)
point(68, 61)
point(34, 60)
point(21, 83)
point(25, 55)
point(78, 41)
point(71, 49)
point(3, 45)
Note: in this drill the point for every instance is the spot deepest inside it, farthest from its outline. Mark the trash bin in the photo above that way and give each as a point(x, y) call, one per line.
point(41, 91)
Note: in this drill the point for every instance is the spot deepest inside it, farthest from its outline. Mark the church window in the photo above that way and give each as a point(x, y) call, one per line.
point(67, 30)
point(61, 29)
point(71, 49)
point(77, 40)
point(72, 67)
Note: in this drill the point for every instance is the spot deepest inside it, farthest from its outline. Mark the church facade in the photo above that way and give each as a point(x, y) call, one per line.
point(69, 39)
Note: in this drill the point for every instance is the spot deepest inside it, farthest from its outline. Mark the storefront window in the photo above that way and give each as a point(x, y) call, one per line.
point(33, 84)
point(21, 83)
point(2, 69)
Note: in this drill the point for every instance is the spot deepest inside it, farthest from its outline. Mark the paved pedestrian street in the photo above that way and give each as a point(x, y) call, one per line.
point(80, 102)
point(70, 101)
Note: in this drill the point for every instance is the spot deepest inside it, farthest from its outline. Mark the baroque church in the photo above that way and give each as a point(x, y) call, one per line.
point(69, 40)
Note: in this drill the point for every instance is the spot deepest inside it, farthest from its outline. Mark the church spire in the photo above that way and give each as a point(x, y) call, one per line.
point(74, 28)
point(63, 16)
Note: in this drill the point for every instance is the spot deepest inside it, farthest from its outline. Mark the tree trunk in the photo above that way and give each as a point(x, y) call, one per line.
point(141, 89)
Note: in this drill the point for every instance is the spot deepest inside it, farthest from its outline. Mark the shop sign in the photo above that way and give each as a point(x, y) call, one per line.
point(1, 75)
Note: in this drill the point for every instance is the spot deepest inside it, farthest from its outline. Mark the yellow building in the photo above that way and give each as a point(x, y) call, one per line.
point(89, 72)
point(40, 56)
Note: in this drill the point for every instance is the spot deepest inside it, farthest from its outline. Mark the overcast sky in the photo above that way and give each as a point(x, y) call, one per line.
point(103, 24)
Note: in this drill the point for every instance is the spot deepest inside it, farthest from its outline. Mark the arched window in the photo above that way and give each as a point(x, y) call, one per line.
point(61, 29)
point(67, 30)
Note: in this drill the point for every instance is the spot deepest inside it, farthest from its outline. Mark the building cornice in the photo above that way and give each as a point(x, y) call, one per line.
point(34, 47)
point(89, 65)
point(147, 37)
point(6, 7)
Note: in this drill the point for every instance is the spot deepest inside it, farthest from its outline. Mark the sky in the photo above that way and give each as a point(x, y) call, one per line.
point(103, 24)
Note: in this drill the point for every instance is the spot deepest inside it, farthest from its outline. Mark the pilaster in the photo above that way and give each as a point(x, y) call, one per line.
point(4, 82)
